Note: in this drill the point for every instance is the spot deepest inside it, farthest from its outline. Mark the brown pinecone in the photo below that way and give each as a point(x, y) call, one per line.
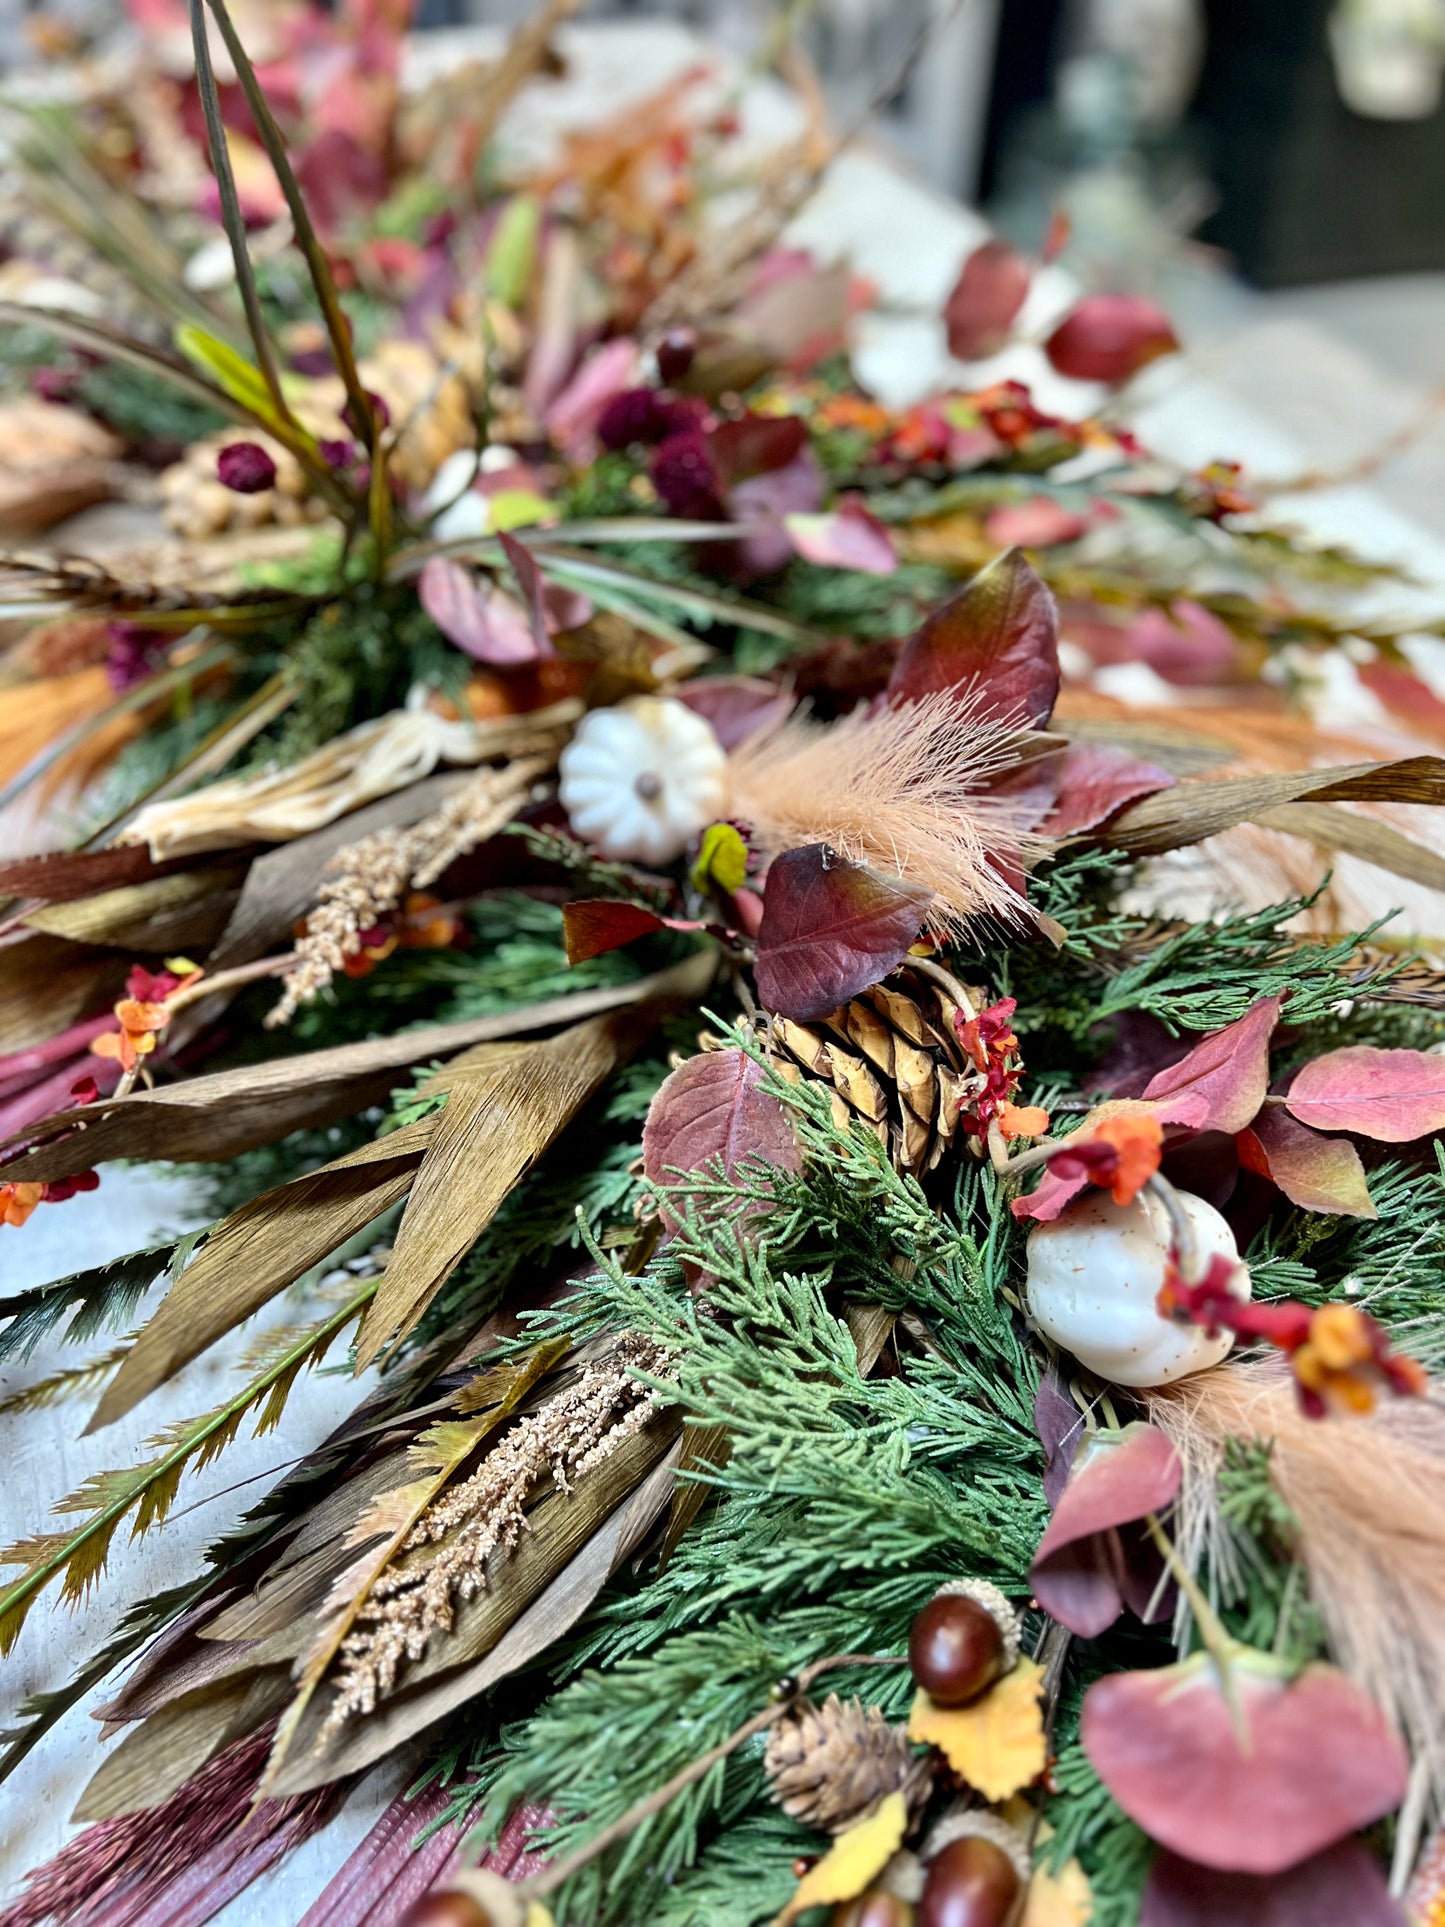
point(829, 1765)
point(892, 1060)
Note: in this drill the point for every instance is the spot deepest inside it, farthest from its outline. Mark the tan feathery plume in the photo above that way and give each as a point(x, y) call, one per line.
point(902, 788)
point(573, 1431)
point(370, 878)
point(1365, 1495)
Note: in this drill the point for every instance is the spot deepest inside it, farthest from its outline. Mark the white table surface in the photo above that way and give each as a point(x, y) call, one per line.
point(909, 240)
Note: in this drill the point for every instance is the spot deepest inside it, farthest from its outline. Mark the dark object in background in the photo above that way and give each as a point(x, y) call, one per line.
point(1310, 191)
point(1023, 78)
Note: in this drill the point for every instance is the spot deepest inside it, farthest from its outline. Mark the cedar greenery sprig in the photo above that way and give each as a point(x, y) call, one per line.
point(148, 1490)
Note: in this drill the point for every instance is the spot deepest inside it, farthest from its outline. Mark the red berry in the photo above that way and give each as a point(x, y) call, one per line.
point(956, 1649)
point(971, 1883)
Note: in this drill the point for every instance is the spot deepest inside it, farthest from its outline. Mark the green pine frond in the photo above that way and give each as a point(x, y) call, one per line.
point(101, 1298)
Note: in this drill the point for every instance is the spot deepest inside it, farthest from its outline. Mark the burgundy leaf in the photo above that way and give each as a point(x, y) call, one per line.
point(753, 444)
point(1344, 1884)
point(480, 620)
point(1049, 1196)
point(1221, 1083)
point(737, 706)
point(1317, 1173)
point(1109, 337)
point(1060, 1426)
point(980, 312)
point(714, 1106)
point(1322, 1760)
point(848, 538)
point(830, 929)
point(572, 418)
point(529, 581)
point(766, 502)
point(1079, 1574)
point(598, 924)
point(998, 637)
point(1190, 645)
point(1391, 1095)
point(1095, 779)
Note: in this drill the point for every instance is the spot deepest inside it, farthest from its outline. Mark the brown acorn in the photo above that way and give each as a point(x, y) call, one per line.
point(875, 1908)
point(971, 1883)
point(447, 1907)
point(964, 1639)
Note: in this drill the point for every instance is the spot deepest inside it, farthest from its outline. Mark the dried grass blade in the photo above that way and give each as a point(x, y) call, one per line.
point(1365, 837)
point(148, 1489)
point(438, 1453)
point(1193, 811)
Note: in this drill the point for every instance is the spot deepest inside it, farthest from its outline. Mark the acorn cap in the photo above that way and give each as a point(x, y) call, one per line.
point(999, 1607)
point(979, 1823)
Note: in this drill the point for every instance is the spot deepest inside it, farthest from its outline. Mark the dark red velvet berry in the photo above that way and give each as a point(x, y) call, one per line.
point(971, 1883)
point(956, 1649)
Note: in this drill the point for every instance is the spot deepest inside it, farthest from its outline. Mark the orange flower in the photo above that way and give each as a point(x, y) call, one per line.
point(1345, 1358)
point(1137, 1137)
point(427, 924)
point(140, 1025)
point(1023, 1120)
point(17, 1201)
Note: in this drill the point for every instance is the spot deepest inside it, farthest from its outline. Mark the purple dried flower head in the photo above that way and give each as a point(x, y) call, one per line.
point(685, 477)
point(246, 468)
point(340, 453)
point(675, 353)
point(378, 408)
point(133, 653)
point(647, 415)
point(53, 384)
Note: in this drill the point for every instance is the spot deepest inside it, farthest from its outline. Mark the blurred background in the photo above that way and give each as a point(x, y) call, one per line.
point(1271, 171)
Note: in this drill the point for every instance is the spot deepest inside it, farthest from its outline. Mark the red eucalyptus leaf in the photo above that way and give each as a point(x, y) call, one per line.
point(1109, 337)
point(736, 706)
point(1221, 1083)
point(1079, 1574)
point(714, 1106)
point(999, 637)
point(480, 620)
point(1392, 1095)
point(598, 924)
point(1345, 1884)
point(1095, 779)
point(848, 538)
point(1317, 1173)
point(1322, 1760)
point(830, 928)
point(979, 314)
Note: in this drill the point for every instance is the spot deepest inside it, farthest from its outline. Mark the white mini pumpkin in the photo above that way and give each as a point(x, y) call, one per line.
point(639, 780)
point(1094, 1275)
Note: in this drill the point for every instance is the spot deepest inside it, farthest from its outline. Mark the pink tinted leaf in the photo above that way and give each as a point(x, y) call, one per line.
point(1221, 1083)
point(1077, 1573)
point(1317, 1173)
point(981, 309)
point(1095, 779)
point(598, 924)
point(1038, 523)
point(1189, 645)
point(529, 581)
point(714, 1106)
point(848, 538)
point(830, 928)
point(737, 706)
point(1060, 1426)
point(999, 637)
point(1344, 1883)
point(573, 416)
point(1048, 1198)
point(1391, 1095)
point(1110, 337)
point(1322, 1760)
point(481, 621)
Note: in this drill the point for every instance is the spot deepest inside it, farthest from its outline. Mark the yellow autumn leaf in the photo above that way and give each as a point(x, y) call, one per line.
point(855, 1859)
point(540, 1916)
point(1061, 1899)
point(997, 1743)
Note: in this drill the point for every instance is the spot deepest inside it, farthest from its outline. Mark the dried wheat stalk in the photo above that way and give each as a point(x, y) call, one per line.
point(369, 879)
point(575, 1430)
